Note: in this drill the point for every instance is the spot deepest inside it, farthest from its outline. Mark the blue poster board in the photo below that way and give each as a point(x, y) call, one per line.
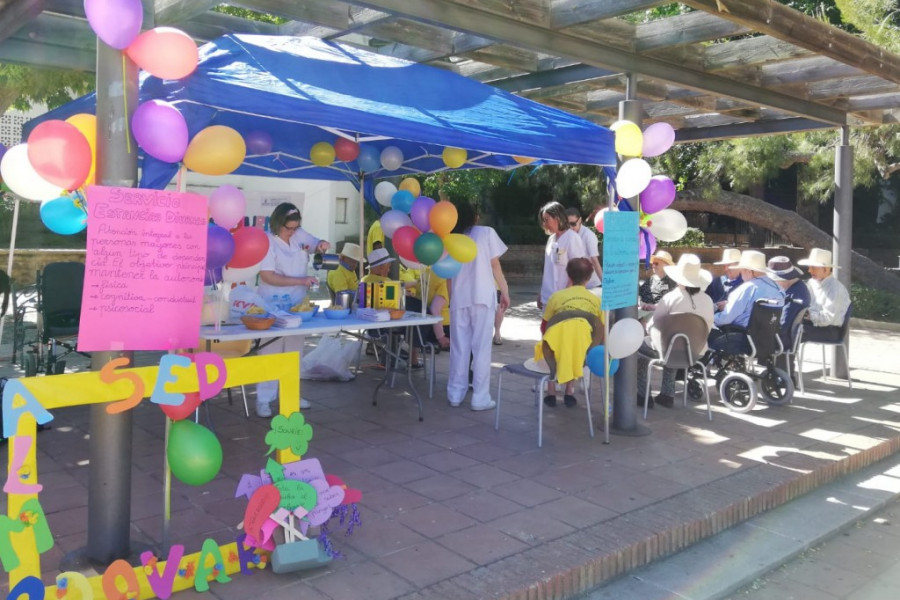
point(621, 245)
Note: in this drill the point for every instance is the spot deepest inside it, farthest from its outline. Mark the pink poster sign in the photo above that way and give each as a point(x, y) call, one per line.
point(143, 282)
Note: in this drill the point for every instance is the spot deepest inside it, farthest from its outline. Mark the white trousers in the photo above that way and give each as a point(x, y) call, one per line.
point(471, 332)
point(267, 391)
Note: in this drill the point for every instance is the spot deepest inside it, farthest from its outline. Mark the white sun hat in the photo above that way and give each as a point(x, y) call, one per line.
point(818, 258)
point(730, 256)
point(753, 260)
point(689, 273)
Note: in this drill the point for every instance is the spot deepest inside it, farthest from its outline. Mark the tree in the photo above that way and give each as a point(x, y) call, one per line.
point(21, 86)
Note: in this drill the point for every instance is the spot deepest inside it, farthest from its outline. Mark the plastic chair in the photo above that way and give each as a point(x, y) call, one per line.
point(229, 349)
point(808, 336)
point(680, 335)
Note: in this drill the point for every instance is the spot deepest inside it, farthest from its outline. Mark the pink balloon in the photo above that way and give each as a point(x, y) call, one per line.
point(60, 153)
point(227, 206)
point(160, 130)
point(116, 22)
point(420, 211)
point(165, 52)
point(658, 194)
point(658, 138)
point(258, 142)
point(598, 219)
point(404, 241)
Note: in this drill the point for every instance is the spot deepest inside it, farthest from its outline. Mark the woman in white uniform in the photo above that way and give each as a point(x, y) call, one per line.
point(473, 301)
point(562, 246)
point(284, 283)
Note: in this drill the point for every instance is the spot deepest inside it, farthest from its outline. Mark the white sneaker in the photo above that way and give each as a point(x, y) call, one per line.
point(304, 404)
point(263, 410)
point(490, 405)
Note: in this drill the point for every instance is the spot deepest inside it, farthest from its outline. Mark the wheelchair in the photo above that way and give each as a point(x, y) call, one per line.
point(740, 376)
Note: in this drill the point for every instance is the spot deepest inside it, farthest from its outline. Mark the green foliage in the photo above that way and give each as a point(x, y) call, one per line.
point(21, 86)
point(660, 12)
point(876, 305)
point(250, 15)
point(693, 238)
point(878, 20)
point(31, 232)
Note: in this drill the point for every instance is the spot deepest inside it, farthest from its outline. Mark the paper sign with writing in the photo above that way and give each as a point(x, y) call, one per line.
point(620, 260)
point(143, 283)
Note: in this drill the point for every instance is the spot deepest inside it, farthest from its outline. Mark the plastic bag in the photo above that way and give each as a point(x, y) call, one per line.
point(242, 299)
point(330, 359)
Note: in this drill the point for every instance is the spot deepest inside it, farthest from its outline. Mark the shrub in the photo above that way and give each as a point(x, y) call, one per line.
point(876, 305)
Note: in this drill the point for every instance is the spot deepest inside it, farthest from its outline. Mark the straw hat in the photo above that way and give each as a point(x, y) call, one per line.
point(379, 256)
point(730, 256)
point(753, 260)
point(817, 258)
point(662, 256)
point(782, 269)
point(688, 272)
point(351, 250)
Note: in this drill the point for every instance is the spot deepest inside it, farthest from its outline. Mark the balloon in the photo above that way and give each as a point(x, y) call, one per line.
point(160, 130)
point(412, 186)
point(393, 220)
point(647, 244)
point(658, 138)
point(227, 206)
point(240, 275)
point(215, 150)
point(428, 248)
point(346, 150)
point(404, 242)
point(454, 157)
point(633, 177)
point(164, 52)
point(659, 194)
point(402, 201)
point(64, 215)
point(258, 142)
point(384, 191)
point(595, 362)
point(220, 246)
point(321, 154)
point(523, 160)
point(212, 276)
point(3, 148)
point(60, 153)
point(460, 247)
point(392, 158)
point(625, 337)
point(598, 219)
point(87, 125)
point(447, 267)
point(442, 217)
point(183, 410)
point(668, 225)
point(250, 246)
point(194, 453)
point(369, 159)
point(18, 174)
point(116, 22)
point(629, 139)
point(421, 209)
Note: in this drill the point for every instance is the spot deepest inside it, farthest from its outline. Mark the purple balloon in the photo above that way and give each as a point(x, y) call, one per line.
point(227, 206)
point(212, 276)
point(658, 138)
point(658, 194)
point(219, 247)
point(393, 220)
point(646, 237)
point(116, 22)
point(419, 212)
point(258, 142)
point(160, 130)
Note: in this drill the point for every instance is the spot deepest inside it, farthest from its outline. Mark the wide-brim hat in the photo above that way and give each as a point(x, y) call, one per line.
point(754, 261)
point(662, 256)
point(730, 256)
point(538, 366)
point(379, 256)
point(818, 258)
point(351, 250)
point(781, 269)
point(689, 273)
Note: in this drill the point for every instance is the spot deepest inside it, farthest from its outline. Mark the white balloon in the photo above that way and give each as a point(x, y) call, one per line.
point(240, 275)
point(668, 225)
point(392, 158)
point(633, 177)
point(384, 191)
point(22, 179)
point(625, 337)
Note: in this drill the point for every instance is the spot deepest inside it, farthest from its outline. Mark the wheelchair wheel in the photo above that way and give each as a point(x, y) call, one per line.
point(777, 387)
point(30, 364)
point(738, 392)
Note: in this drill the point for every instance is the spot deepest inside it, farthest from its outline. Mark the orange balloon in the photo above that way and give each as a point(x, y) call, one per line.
point(87, 125)
point(442, 218)
point(412, 186)
point(216, 150)
point(523, 160)
point(165, 52)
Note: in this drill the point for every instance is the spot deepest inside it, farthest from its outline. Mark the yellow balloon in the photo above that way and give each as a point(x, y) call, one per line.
point(87, 125)
point(461, 247)
point(412, 186)
point(523, 160)
point(629, 138)
point(215, 150)
point(321, 154)
point(442, 218)
point(454, 157)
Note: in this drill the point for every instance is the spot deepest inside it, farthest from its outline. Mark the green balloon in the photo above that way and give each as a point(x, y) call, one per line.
point(428, 248)
point(194, 453)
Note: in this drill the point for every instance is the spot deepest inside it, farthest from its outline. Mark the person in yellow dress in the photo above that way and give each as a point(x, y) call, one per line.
point(345, 277)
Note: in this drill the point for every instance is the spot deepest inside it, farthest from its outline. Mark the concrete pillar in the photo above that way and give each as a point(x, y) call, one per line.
point(842, 246)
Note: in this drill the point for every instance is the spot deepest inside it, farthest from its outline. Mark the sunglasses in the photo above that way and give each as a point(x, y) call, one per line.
point(573, 223)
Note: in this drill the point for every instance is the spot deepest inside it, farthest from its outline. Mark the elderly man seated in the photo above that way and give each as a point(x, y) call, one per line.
point(726, 277)
point(732, 321)
point(830, 299)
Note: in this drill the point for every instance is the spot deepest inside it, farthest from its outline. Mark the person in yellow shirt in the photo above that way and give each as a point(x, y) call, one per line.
point(438, 304)
point(345, 277)
point(379, 266)
point(374, 237)
point(574, 297)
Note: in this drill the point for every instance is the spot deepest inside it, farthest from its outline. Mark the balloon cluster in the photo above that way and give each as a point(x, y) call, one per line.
point(369, 159)
point(233, 252)
point(420, 229)
point(635, 178)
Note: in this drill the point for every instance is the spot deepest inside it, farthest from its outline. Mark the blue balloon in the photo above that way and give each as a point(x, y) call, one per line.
point(447, 267)
point(369, 159)
point(594, 362)
point(64, 215)
point(402, 201)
